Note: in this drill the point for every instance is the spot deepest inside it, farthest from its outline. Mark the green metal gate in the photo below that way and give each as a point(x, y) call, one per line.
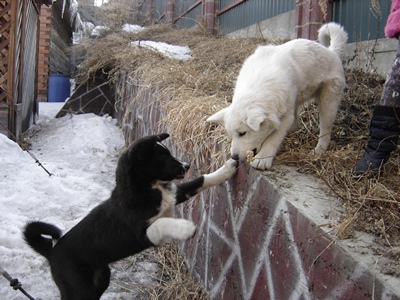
point(363, 19)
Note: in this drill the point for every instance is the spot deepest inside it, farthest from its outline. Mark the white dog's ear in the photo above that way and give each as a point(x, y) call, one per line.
point(255, 118)
point(218, 117)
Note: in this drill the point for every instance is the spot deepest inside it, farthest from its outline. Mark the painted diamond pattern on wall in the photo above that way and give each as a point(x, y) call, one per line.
point(255, 245)
point(240, 243)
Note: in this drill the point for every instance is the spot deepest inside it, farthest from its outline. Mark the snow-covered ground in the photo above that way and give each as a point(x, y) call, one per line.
point(81, 152)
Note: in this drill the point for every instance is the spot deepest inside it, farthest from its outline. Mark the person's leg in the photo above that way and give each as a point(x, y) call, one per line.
point(384, 126)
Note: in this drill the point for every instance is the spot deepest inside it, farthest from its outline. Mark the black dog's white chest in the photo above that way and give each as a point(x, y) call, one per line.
point(168, 200)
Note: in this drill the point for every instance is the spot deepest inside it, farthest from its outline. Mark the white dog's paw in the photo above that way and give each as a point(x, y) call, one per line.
point(185, 229)
point(319, 150)
point(262, 163)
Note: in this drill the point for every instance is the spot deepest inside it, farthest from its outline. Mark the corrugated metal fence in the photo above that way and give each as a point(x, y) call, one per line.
point(28, 84)
point(235, 15)
point(159, 9)
point(188, 13)
point(363, 19)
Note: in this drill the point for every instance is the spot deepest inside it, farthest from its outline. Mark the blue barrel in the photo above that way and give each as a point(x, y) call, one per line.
point(59, 88)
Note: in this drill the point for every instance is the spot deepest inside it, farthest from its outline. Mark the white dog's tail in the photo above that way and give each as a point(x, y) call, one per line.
point(333, 36)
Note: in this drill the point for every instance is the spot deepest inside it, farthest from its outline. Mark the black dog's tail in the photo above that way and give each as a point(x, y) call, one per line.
point(34, 236)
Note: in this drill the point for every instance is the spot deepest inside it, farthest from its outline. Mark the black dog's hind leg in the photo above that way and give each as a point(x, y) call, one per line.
point(101, 280)
point(191, 188)
point(80, 282)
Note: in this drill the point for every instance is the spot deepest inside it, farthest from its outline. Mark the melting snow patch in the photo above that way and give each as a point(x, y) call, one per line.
point(172, 51)
point(98, 29)
point(132, 28)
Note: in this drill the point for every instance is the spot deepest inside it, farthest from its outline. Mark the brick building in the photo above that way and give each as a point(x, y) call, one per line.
point(55, 39)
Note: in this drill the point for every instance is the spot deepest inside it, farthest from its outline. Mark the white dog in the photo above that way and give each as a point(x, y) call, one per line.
point(271, 87)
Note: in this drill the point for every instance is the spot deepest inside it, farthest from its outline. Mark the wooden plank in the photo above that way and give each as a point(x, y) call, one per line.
point(5, 10)
point(4, 27)
point(3, 45)
point(3, 121)
point(3, 97)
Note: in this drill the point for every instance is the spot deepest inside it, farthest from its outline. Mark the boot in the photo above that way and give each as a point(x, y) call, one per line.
point(384, 133)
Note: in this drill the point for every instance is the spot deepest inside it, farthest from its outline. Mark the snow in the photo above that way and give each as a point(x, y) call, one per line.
point(100, 2)
point(132, 28)
point(172, 51)
point(98, 29)
point(81, 152)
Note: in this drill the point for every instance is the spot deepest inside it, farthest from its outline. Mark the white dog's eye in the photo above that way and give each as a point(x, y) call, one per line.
point(242, 133)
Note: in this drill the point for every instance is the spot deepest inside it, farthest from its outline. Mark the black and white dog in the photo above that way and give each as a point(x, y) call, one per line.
point(138, 215)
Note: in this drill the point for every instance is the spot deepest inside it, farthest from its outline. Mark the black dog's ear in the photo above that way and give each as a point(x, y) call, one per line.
point(144, 146)
point(162, 136)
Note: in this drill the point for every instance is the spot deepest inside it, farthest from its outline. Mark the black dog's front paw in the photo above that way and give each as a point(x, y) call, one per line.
point(187, 229)
point(231, 166)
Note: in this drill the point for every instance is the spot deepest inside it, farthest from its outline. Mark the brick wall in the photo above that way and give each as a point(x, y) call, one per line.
point(44, 51)
point(310, 15)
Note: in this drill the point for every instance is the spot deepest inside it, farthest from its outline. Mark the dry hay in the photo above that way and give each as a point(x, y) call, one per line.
point(199, 87)
point(371, 203)
point(203, 85)
point(171, 280)
point(175, 282)
point(115, 14)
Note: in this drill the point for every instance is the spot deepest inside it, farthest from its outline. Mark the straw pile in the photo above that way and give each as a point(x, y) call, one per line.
point(203, 85)
point(172, 281)
point(372, 204)
point(199, 87)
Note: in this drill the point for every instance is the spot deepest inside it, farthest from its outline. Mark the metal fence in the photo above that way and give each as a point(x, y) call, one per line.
point(362, 19)
point(188, 13)
point(235, 15)
point(159, 9)
point(27, 85)
point(143, 12)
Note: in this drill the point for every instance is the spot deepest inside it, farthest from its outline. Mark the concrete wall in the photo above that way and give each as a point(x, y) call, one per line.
point(372, 56)
point(265, 235)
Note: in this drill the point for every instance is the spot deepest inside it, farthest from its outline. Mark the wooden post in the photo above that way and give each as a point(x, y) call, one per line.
point(150, 5)
point(310, 15)
point(136, 12)
point(210, 8)
point(170, 12)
